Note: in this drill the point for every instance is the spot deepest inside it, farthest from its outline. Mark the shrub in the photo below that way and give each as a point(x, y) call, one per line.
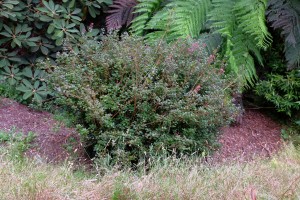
point(35, 29)
point(140, 100)
point(278, 85)
point(283, 90)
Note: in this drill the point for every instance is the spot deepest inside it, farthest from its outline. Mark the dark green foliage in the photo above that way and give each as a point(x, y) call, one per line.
point(140, 100)
point(121, 14)
point(279, 86)
point(32, 30)
point(284, 16)
point(283, 90)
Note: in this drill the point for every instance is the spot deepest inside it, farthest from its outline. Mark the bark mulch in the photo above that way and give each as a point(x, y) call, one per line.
point(54, 142)
point(256, 136)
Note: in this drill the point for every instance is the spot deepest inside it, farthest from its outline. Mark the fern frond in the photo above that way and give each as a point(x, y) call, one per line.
point(285, 16)
point(189, 17)
point(179, 19)
point(240, 60)
point(222, 17)
point(145, 10)
point(242, 24)
point(251, 18)
point(121, 13)
point(292, 54)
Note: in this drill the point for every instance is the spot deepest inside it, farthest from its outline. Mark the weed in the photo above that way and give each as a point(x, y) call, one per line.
point(17, 143)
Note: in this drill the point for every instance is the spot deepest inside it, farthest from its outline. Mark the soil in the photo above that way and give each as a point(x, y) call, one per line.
point(255, 136)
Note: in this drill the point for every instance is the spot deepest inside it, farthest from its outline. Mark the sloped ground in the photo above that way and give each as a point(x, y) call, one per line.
point(53, 143)
point(257, 135)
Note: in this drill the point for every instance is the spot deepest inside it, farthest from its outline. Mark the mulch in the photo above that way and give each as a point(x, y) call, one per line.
point(54, 142)
point(256, 136)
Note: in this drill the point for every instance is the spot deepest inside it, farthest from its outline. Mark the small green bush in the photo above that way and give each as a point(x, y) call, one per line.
point(139, 100)
point(283, 90)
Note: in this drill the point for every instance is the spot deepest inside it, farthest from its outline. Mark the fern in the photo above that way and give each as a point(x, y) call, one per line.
point(242, 24)
point(222, 17)
point(121, 13)
point(251, 18)
point(284, 15)
point(145, 9)
point(179, 19)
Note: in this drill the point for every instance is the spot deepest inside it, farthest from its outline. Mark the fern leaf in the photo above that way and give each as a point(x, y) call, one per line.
point(121, 13)
point(240, 59)
point(145, 9)
point(292, 54)
point(251, 18)
point(242, 24)
point(222, 17)
point(179, 19)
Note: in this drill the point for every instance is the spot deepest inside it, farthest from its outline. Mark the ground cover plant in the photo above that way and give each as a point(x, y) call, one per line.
point(138, 99)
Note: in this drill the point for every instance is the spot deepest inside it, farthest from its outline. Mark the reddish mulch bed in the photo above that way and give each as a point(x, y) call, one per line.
point(257, 135)
point(53, 139)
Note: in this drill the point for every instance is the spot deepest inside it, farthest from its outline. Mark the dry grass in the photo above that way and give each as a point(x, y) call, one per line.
point(276, 178)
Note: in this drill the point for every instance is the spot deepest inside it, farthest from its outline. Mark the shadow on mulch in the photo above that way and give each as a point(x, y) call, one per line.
point(256, 136)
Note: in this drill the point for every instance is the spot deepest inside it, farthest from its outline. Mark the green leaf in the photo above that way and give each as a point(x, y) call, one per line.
point(6, 34)
point(36, 84)
point(27, 72)
point(44, 50)
point(23, 88)
point(50, 28)
point(59, 34)
point(37, 97)
point(7, 29)
point(27, 84)
point(27, 95)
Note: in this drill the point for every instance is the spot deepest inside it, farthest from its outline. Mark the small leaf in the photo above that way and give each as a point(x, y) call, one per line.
point(50, 29)
point(36, 84)
point(27, 72)
point(27, 95)
point(37, 97)
point(27, 84)
point(44, 50)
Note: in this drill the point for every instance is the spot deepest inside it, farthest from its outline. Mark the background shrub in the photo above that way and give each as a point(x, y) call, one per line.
point(33, 30)
point(140, 99)
point(277, 85)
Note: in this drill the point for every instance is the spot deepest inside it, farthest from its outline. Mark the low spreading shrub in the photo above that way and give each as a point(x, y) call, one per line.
point(139, 100)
